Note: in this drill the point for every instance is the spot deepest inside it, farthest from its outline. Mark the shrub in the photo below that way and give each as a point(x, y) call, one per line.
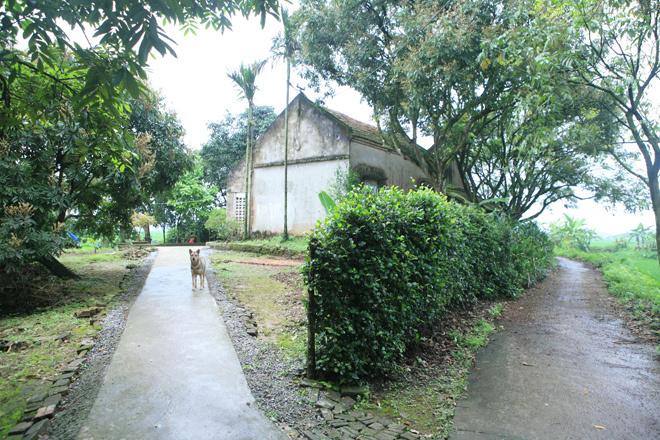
point(383, 266)
point(221, 227)
point(532, 252)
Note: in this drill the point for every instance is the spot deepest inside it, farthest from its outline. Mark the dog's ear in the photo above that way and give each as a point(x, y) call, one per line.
point(198, 251)
point(190, 251)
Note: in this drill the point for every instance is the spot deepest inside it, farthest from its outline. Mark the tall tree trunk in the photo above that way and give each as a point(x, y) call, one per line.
point(164, 234)
point(655, 201)
point(248, 176)
point(147, 234)
point(286, 149)
point(652, 164)
point(247, 180)
point(57, 268)
point(124, 234)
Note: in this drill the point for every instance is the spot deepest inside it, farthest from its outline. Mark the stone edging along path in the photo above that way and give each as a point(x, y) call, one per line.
point(41, 407)
point(59, 406)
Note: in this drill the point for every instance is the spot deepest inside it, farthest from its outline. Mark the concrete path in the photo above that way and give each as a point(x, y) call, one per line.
point(564, 367)
point(175, 374)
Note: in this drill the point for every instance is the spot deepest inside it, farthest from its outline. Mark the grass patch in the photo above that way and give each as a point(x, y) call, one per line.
point(78, 258)
point(273, 293)
point(428, 402)
point(496, 310)
point(49, 337)
point(469, 342)
point(632, 276)
point(293, 344)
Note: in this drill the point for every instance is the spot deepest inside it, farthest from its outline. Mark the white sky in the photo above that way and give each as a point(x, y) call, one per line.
point(196, 87)
point(195, 84)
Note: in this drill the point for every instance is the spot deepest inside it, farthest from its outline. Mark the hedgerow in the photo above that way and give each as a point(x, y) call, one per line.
point(383, 266)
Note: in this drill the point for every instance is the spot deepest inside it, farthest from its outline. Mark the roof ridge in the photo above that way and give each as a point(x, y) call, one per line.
point(366, 131)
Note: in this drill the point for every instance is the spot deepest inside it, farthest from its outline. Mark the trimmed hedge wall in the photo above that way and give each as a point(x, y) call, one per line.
point(384, 265)
point(255, 248)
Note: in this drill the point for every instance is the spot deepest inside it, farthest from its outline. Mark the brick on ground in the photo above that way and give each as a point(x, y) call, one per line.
point(41, 427)
point(20, 428)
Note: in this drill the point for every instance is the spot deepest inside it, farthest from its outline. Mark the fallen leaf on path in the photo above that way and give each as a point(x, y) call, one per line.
point(601, 427)
point(528, 365)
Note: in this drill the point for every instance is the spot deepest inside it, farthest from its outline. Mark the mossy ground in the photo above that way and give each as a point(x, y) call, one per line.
point(273, 293)
point(425, 393)
point(48, 337)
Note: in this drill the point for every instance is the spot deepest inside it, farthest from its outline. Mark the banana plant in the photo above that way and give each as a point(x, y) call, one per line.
point(328, 203)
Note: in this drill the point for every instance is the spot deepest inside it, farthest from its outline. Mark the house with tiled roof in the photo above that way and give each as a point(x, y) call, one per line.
point(322, 142)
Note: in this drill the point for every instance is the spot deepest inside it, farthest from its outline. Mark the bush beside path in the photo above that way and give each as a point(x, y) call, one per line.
point(385, 267)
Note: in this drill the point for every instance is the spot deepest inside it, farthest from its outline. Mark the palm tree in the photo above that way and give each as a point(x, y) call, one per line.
point(284, 47)
point(245, 80)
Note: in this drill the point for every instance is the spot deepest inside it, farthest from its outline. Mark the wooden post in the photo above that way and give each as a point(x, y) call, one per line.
point(311, 335)
point(311, 321)
point(286, 150)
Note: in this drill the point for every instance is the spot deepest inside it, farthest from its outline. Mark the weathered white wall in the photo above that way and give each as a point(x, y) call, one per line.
point(312, 134)
point(399, 170)
point(306, 180)
point(317, 144)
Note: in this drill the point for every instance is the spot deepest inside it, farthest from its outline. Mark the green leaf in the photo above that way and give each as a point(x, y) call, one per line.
point(327, 202)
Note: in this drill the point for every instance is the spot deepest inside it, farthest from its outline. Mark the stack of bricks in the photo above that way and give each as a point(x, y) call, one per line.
point(41, 407)
point(341, 422)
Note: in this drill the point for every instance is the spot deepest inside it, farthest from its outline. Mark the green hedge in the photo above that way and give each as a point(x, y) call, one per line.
point(383, 266)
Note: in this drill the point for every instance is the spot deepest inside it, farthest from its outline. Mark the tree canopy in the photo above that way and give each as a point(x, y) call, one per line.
point(226, 145)
point(477, 77)
point(619, 56)
point(190, 202)
point(64, 168)
point(416, 63)
point(537, 153)
point(120, 36)
point(82, 140)
point(63, 163)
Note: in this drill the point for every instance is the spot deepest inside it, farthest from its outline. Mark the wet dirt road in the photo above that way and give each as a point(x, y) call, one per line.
point(175, 374)
point(564, 367)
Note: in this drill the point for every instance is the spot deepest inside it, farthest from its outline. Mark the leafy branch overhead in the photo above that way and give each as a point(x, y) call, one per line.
point(535, 102)
point(87, 169)
point(120, 36)
point(83, 142)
